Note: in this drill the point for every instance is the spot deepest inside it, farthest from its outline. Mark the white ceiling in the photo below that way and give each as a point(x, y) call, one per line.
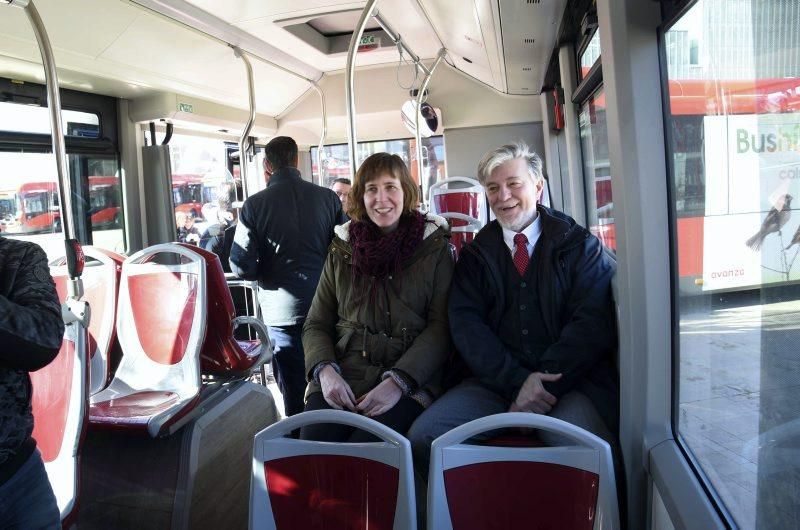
point(118, 48)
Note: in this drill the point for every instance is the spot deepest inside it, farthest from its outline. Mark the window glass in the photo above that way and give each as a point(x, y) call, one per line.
point(597, 169)
point(200, 176)
point(590, 55)
point(36, 120)
point(29, 200)
point(734, 145)
point(336, 158)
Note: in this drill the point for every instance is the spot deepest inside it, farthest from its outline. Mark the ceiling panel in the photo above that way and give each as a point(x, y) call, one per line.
point(207, 65)
point(529, 35)
point(244, 10)
point(81, 26)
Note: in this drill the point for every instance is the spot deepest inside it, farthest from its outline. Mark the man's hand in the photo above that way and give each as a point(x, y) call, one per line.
point(532, 397)
point(380, 399)
point(335, 389)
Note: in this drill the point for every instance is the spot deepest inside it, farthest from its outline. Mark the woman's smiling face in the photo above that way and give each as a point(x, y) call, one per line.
point(383, 200)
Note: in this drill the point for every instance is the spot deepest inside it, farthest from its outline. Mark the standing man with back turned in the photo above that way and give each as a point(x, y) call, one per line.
point(281, 240)
point(531, 313)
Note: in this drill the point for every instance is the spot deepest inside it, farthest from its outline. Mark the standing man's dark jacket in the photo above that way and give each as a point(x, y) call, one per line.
point(281, 240)
point(31, 330)
point(577, 337)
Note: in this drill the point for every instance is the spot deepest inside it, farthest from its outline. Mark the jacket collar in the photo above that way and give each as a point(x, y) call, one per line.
point(558, 229)
point(284, 174)
point(433, 223)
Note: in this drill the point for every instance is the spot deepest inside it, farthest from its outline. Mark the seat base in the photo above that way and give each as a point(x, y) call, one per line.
point(198, 477)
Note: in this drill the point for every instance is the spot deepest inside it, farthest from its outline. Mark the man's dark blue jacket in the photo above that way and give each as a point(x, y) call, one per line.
point(281, 240)
point(573, 277)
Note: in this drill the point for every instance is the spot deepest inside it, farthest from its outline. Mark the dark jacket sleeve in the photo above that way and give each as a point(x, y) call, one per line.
point(471, 297)
point(430, 348)
point(589, 332)
point(244, 258)
point(31, 326)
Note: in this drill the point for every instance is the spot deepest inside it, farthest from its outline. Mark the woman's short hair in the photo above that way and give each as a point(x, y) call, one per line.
point(503, 154)
point(373, 167)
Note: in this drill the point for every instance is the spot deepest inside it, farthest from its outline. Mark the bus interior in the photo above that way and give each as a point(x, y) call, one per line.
point(669, 128)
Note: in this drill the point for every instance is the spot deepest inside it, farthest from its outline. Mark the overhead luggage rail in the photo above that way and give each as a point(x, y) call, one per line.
point(307, 484)
point(567, 487)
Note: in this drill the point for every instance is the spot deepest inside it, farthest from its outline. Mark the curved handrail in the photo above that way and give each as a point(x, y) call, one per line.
point(520, 419)
point(287, 425)
point(251, 93)
point(350, 85)
point(266, 349)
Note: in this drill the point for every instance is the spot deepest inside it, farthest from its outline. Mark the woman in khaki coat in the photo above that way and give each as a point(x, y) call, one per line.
point(376, 335)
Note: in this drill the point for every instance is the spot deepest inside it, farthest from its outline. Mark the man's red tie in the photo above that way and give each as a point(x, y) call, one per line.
point(521, 258)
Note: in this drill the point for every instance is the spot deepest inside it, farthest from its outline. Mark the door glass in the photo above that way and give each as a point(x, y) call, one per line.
point(734, 145)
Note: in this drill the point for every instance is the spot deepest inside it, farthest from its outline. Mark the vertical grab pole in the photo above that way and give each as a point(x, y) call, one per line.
point(324, 131)
point(418, 136)
point(252, 119)
point(350, 86)
point(56, 124)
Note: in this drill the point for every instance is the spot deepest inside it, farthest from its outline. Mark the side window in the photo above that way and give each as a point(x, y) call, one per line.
point(594, 143)
point(733, 128)
point(336, 158)
point(30, 207)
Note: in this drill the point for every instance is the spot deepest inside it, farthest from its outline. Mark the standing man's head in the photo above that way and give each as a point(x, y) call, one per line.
point(512, 176)
point(341, 187)
point(383, 191)
point(279, 153)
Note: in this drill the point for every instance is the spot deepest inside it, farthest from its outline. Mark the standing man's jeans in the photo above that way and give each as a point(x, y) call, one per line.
point(27, 500)
point(289, 366)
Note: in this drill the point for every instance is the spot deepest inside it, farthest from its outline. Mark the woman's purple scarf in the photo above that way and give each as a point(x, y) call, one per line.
point(378, 255)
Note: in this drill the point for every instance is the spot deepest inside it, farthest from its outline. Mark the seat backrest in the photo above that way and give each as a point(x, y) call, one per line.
point(474, 486)
point(101, 275)
point(321, 485)
point(161, 324)
point(462, 201)
point(59, 411)
point(221, 352)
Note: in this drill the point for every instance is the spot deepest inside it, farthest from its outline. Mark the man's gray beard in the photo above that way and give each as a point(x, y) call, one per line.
point(519, 227)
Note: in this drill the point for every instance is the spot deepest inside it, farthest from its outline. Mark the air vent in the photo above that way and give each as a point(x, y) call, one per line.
point(529, 40)
point(533, 1)
point(526, 68)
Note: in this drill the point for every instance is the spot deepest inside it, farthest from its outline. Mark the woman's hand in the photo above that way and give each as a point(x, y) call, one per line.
point(335, 389)
point(380, 399)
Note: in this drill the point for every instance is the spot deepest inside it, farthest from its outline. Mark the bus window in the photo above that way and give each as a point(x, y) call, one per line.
point(733, 123)
point(199, 170)
point(597, 169)
point(336, 158)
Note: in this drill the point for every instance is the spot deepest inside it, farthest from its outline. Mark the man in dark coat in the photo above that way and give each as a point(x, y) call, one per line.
point(31, 330)
point(281, 240)
point(531, 313)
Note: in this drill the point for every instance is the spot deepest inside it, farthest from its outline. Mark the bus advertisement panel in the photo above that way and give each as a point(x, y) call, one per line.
point(750, 233)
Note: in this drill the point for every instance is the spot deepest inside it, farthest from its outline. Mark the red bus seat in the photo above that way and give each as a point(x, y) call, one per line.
point(101, 287)
point(515, 487)
point(169, 326)
point(331, 486)
point(59, 411)
point(460, 200)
